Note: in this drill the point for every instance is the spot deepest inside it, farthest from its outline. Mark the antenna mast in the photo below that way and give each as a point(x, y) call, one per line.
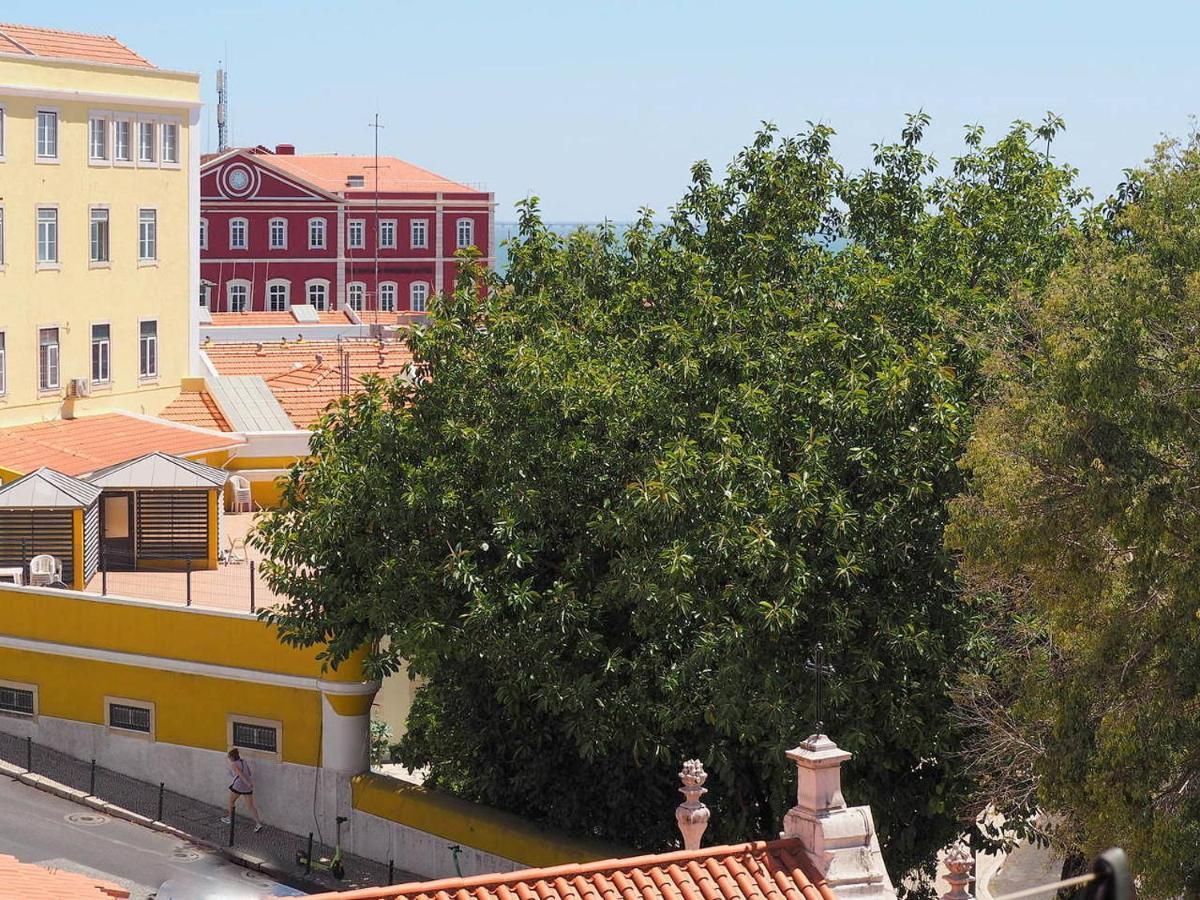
point(222, 110)
point(375, 238)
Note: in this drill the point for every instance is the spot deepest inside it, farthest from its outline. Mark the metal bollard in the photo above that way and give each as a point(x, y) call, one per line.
point(308, 856)
point(162, 785)
point(189, 591)
point(391, 872)
point(92, 781)
point(232, 820)
point(252, 586)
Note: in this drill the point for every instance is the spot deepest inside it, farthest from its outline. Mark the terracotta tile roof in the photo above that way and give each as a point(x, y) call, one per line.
point(395, 175)
point(773, 870)
point(49, 42)
point(78, 446)
point(278, 319)
point(196, 408)
point(26, 881)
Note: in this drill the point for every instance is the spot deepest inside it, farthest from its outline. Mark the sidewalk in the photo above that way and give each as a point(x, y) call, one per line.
point(271, 851)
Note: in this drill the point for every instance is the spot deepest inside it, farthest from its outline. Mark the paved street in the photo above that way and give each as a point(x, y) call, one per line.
point(37, 827)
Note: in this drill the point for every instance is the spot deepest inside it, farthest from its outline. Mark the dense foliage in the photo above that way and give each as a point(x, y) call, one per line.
point(633, 485)
point(1083, 529)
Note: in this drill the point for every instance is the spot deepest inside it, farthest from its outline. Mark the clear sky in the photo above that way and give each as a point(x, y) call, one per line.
point(601, 107)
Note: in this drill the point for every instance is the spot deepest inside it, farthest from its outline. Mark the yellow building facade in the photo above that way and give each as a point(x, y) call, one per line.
point(99, 204)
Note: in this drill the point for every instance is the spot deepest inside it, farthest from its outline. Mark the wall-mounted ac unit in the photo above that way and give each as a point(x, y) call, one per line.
point(79, 387)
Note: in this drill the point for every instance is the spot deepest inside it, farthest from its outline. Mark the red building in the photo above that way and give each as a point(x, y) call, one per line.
point(278, 229)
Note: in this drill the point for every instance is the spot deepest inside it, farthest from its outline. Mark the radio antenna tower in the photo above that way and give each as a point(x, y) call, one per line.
point(222, 109)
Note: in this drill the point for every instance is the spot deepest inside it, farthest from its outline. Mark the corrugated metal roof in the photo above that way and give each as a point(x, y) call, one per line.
point(248, 404)
point(47, 489)
point(159, 470)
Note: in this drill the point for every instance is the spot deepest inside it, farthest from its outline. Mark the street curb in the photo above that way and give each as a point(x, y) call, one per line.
point(246, 860)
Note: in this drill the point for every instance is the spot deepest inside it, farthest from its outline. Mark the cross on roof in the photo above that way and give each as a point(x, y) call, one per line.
point(817, 665)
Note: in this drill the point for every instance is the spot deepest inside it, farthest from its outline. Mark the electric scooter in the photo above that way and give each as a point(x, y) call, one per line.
point(332, 865)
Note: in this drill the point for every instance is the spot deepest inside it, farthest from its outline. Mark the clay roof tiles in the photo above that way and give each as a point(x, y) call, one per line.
point(765, 870)
point(196, 408)
point(26, 881)
point(332, 173)
point(52, 43)
point(277, 319)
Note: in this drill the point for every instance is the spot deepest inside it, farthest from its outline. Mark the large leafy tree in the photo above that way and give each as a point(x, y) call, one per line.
point(636, 481)
point(1083, 529)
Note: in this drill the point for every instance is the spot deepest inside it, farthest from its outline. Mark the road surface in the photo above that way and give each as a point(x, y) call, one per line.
point(37, 827)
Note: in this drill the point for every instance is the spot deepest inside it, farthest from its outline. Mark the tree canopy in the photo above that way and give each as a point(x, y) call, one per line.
point(635, 482)
point(1081, 532)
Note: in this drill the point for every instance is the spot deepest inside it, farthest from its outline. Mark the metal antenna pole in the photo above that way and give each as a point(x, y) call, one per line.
point(376, 126)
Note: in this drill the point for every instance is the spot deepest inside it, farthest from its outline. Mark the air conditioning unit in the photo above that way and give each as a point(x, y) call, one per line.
point(79, 387)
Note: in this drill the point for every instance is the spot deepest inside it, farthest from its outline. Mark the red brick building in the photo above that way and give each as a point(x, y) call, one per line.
point(279, 229)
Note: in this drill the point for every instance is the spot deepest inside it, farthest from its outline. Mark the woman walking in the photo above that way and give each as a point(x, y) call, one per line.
point(241, 786)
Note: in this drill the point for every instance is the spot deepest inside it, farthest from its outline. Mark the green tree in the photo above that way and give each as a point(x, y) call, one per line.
point(637, 480)
point(1081, 531)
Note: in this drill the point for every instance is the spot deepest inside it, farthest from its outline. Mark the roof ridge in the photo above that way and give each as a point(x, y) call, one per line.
point(43, 28)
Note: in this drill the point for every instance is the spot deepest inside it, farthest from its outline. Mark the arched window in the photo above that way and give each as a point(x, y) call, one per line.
point(237, 295)
point(356, 295)
point(418, 296)
point(278, 230)
point(204, 234)
point(387, 296)
point(316, 291)
point(279, 291)
point(316, 234)
point(237, 234)
point(465, 233)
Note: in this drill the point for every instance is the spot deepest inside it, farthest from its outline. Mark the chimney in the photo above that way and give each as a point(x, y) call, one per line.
point(839, 841)
point(959, 863)
point(691, 815)
point(285, 149)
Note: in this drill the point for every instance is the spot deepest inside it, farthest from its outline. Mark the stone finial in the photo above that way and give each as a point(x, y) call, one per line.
point(691, 814)
point(959, 863)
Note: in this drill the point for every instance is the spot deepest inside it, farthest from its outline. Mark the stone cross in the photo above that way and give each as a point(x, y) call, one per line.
point(817, 666)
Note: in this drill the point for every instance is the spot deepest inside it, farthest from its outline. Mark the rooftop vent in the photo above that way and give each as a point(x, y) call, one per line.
point(285, 149)
point(356, 180)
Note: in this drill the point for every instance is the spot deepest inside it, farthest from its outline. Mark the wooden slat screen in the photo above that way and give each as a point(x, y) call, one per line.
point(25, 533)
point(172, 524)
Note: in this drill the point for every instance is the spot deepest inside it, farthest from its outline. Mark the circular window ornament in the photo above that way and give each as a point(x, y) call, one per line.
point(239, 180)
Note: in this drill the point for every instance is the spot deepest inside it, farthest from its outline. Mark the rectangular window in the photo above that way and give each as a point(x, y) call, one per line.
point(98, 138)
point(146, 142)
point(47, 134)
point(148, 349)
point(122, 141)
point(3, 366)
point(170, 142)
point(465, 233)
point(237, 234)
point(47, 236)
point(131, 716)
point(278, 234)
point(18, 700)
point(147, 235)
point(101, 354)
point(47, 359)
point(356, 234)
point(204, 234)
point(420, 234)
point(387, 233)
point(99, 235)
point(253, 736)
point(316, 234)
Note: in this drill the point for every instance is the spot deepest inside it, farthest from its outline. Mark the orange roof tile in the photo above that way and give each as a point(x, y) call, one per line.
point(78, 446)
point(26, 881)
point(55, 44)
point(774, 870)
point(196, 408)
point(279, 319)
point(331, 173)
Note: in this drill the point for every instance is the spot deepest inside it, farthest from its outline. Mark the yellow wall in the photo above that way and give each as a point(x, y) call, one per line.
point(78, 295)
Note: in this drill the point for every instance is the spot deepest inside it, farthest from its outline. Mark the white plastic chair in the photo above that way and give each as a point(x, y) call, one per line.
point(44, 569)
point(241, 494)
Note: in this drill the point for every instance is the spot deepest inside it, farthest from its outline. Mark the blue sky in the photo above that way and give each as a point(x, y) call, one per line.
point(601, 107)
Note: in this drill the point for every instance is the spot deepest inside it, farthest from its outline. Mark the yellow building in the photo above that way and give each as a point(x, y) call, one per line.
point(99, 205)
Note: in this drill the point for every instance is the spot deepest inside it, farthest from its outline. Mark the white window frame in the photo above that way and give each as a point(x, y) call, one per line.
point(21, 686)
point(136, 704)
point(393, 290)
point(2, 223)
point(131, 148)
point(361, 287)
point(287, 294)
point(153, 374)
point(283, 223)
point(163, 125)
point(3, 362)
point(48, 387)
point(107, 353)
point(105, 119)
point(245, 223)
point(230, 718)
point(356, 228)
point(206, 292)
point(469, 224)
point(203, 234)
point(38, 156)
point(412, 296)
point(238, 283)
point(106, 262)
point(390, 244)
point(423, 226)
point(308, 289)
point(143, 259)
point(146, 125)
point(49, 264)
point(3, 126)
point(318, 227)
